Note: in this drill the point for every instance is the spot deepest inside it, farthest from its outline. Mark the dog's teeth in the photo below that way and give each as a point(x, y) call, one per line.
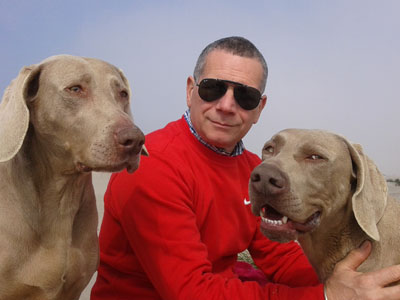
point(272, 222)
point(284, 219)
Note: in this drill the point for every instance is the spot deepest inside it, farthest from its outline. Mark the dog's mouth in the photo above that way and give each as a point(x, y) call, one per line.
point(130, 165)
point(282, 227)
point(83, 168)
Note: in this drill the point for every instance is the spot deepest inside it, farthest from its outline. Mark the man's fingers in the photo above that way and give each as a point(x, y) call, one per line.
point(356, 257)
point(392, 292)
point(347, 283)
point(387, 276)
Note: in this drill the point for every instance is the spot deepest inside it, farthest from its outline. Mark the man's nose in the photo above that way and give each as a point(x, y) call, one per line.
point(227, 101)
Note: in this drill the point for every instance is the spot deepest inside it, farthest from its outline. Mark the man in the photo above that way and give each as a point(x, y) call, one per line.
point(173, 229)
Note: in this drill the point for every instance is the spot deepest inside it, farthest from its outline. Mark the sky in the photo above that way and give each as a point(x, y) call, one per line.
point(333, 65)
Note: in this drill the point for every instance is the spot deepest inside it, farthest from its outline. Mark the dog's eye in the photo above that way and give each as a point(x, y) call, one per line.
point(269, 149)
point(75, 88)
point(315, 157)
point(124, 94)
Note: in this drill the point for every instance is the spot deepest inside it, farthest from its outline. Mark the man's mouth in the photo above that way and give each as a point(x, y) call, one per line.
point(222, 124)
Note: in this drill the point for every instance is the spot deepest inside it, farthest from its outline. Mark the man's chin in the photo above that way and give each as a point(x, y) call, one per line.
point(226, 147)
point(221, 141)
point(225, 138)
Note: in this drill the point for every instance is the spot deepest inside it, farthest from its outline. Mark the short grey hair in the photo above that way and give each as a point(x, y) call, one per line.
point(238, 46)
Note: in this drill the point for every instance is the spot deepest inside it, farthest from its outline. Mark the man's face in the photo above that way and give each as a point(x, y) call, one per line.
point(223, 123)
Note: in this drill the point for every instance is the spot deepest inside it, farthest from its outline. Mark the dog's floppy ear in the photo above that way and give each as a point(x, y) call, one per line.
point(370, 196)
point(14, 113)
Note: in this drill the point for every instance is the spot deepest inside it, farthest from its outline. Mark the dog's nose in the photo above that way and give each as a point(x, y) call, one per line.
point(130, 139)
point(269, 179)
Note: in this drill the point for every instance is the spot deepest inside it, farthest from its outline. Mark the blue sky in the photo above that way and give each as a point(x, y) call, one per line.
point(333, 65)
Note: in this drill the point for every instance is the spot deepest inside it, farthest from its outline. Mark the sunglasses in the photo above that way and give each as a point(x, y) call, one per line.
point(211, 89)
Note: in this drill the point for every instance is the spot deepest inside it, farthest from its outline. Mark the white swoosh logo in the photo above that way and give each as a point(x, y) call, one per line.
point(246, 202)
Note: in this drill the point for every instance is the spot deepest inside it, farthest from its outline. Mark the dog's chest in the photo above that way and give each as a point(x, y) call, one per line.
point(58, 271)
point(62, 253)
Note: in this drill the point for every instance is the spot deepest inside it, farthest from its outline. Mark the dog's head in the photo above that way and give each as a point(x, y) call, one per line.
point(77, 108)
point(313, 177)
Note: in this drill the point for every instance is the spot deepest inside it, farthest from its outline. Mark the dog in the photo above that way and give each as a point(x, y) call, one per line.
point(316, 187)
point(59, 120)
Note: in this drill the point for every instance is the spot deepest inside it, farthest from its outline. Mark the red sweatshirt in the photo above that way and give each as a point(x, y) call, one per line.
point(173, 229)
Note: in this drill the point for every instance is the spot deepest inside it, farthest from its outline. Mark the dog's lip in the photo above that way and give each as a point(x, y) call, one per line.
point(131, 163)
point(83, 168)
point(274, 220)
point(284, 232)
point(311, 223)
point(107, 168)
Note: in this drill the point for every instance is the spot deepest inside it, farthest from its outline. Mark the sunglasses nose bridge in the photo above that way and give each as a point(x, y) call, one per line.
point(227, 100)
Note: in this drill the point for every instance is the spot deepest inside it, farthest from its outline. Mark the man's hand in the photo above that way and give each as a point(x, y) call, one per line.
point(347, 284)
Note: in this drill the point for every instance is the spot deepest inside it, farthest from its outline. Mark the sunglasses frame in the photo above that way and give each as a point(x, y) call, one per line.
point(237, 95)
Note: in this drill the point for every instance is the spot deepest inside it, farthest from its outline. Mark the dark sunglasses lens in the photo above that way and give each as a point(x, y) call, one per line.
point(211, 90)
point(247, 97)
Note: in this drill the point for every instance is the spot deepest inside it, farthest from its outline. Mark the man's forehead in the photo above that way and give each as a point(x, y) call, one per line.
point(221, 64)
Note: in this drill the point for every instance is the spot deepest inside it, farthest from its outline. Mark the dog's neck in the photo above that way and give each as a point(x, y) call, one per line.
point(57, 221)
point(56, 195)
point(325, 250)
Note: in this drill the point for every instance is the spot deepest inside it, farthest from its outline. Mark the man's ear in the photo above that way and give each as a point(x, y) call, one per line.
point(260, 107)
point(190, 84)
